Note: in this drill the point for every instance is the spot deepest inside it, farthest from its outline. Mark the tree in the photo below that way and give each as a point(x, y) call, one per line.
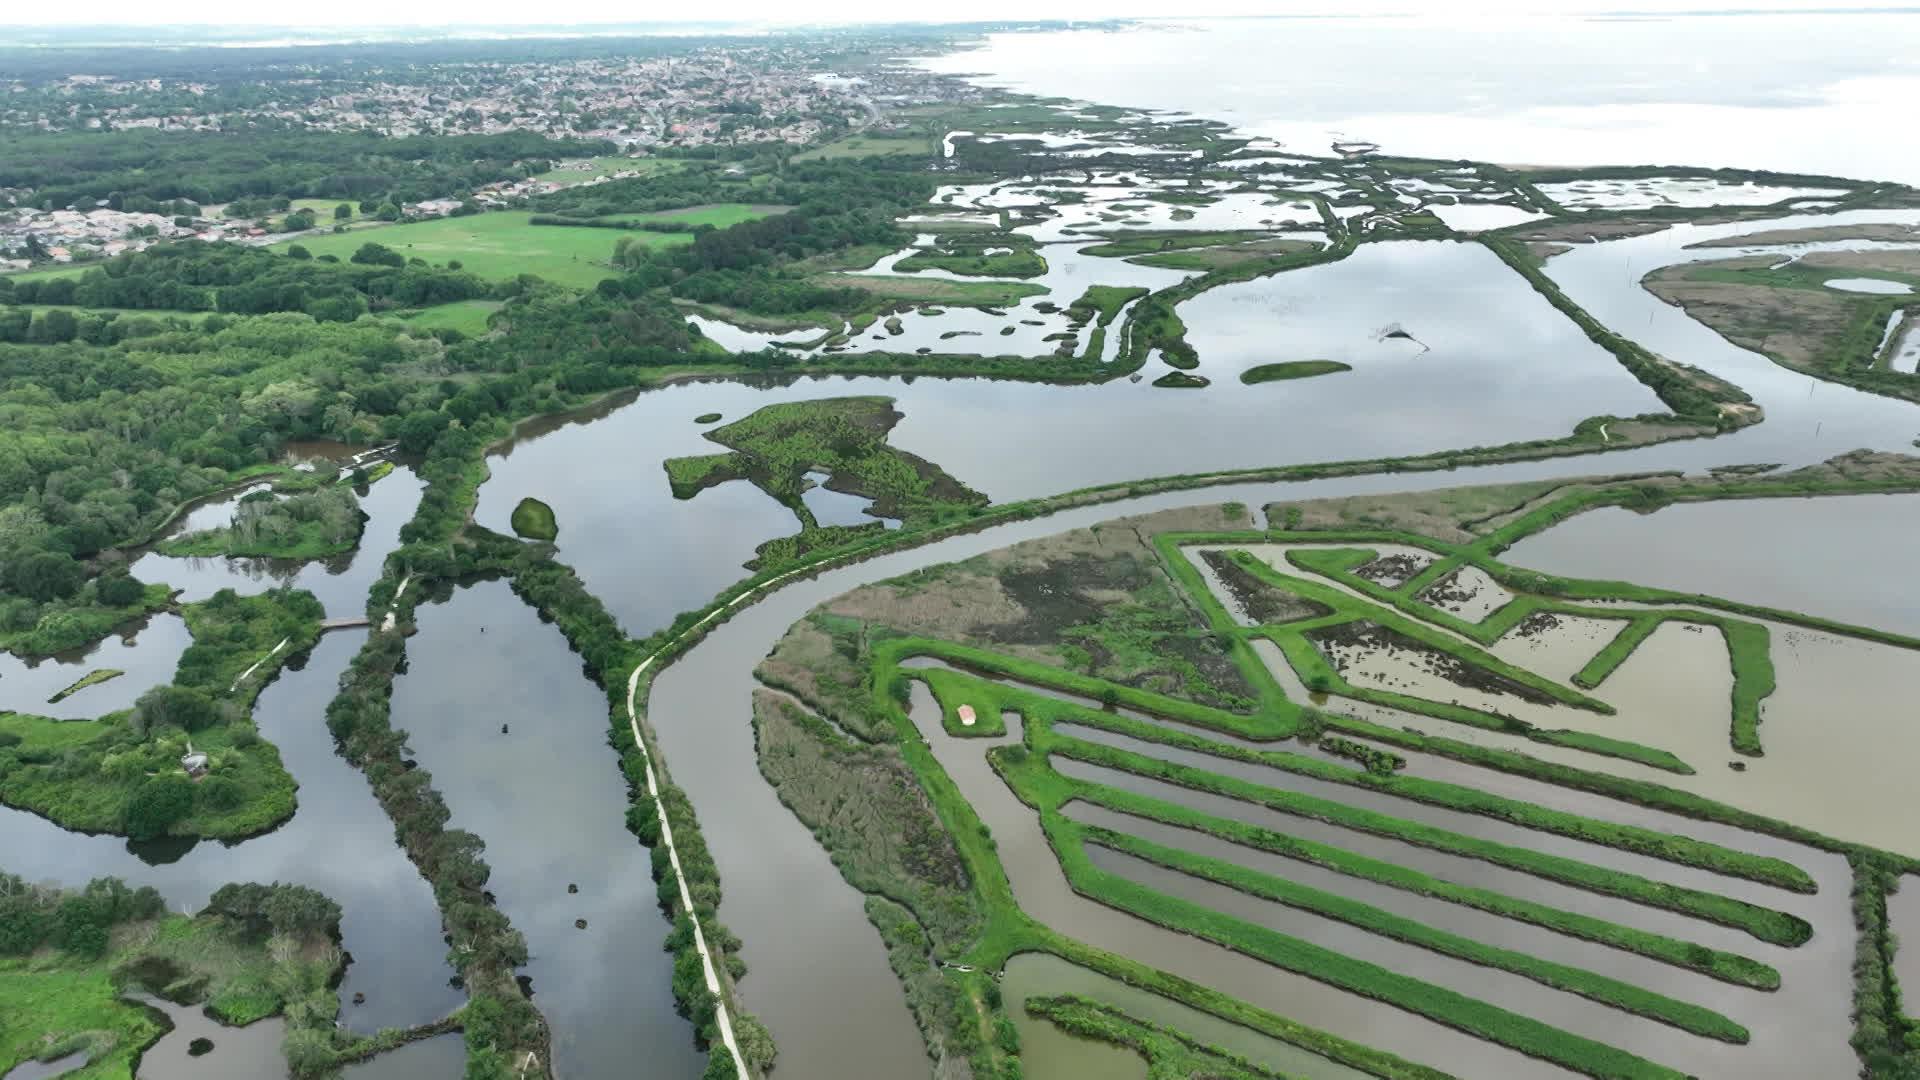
point(389, 212)
point(46, 575)
point(372, 254)
point(298, 251)
point(175, 706)
point(342, 212)
point(155, 805)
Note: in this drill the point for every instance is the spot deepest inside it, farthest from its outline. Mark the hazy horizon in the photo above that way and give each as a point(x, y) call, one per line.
point(606, 14)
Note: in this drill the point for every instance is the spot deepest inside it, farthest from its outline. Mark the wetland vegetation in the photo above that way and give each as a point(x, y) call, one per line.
point(1329, 775)
point(1114, 712)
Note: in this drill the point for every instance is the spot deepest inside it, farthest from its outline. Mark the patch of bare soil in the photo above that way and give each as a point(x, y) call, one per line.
point(1263, 603)
point(1885, 231)
point(1577, 231)
point(1790, 325)
point(1392, 571)
point(1346, 642)
point(1444, 515)
point(1892, 262)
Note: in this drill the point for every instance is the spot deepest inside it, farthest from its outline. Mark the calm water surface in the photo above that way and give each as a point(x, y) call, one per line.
point(339, 841)
point(1839, 558)
point(497, 709)
point(1797, 93)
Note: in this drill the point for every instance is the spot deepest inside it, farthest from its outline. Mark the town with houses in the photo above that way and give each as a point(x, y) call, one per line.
point(736, 95)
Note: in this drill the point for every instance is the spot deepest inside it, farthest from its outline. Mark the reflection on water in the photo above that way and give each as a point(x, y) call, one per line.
point(45, 1070)
point(1797, 93)
point(838, 507)
point(1834, 556)
point(339, 841)
point(443, 1057)
point(239, 1053)
point(148, 650)
point(516, 738)
point(340, 582)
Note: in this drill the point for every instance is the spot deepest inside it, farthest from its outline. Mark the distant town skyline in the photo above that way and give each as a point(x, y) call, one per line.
point(368, 14)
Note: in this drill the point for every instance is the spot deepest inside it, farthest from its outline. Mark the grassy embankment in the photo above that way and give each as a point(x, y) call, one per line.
point(1041, 709)
point(121, 773)
point(1168, 1052)
point(1025, 771)
point(91, 678)
point(1020, 262)
point(862, 146)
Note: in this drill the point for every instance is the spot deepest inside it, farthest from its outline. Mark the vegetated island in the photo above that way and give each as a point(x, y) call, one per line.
point(72, 962)
point(308, 525)
point(186, 760)
point(533, 520)
point(91, 678)
point(775, 448)
point(1291, 369)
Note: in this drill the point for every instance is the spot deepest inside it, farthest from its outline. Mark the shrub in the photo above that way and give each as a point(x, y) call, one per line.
point(155, 805)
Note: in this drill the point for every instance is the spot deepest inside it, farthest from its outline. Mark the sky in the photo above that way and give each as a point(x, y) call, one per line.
point(358, 13)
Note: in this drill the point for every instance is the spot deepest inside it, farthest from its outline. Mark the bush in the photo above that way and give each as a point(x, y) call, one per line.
point(155, 805)
point(220, 793)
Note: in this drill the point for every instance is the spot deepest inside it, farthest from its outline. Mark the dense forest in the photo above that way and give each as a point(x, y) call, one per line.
point(194, 276)
point(80, 167)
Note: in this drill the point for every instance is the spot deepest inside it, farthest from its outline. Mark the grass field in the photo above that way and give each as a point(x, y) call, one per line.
point(607, 166)
point(859, 146)
point(323, 210)
point(467, 316)
point(936, 290)
point(718, 215)
point(498, 246)
point(48, 273)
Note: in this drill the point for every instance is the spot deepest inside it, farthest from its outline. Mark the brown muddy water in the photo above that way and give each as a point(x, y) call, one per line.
point(1833, 556)
point(1047, 1053)
point(1042, 891)
point(1805, 1024)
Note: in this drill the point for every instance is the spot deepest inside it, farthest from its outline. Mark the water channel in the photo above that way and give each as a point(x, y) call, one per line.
point(819, 977)
point(523, 763)
point(339, 841)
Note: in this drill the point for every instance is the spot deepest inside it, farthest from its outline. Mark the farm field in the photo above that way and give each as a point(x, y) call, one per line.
point(497, 245)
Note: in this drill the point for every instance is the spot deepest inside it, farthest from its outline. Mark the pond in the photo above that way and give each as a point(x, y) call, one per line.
point(1876, 286)
point(1832, 557)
